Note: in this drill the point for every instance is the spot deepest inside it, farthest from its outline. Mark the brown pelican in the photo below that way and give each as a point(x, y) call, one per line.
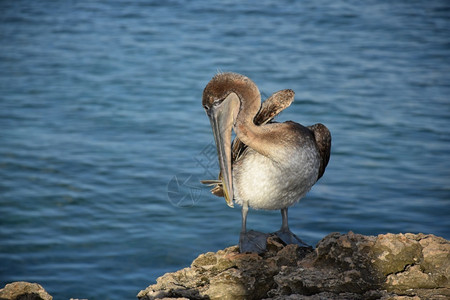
point(270, 165)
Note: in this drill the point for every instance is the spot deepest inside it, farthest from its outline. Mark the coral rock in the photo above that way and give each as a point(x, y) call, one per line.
point(343, 266)
point(21, 290)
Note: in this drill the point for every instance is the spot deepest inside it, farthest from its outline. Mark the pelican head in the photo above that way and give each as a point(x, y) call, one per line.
point(222, 101)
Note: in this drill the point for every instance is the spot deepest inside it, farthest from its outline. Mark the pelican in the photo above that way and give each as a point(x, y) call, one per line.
point(270, 165)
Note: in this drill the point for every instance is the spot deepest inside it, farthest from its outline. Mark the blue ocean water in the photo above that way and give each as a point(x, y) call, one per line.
point(103, 138)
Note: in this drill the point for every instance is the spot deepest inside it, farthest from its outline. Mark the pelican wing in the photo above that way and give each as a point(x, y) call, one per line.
point(273, 106)
point(323, 140)
point(270, 108)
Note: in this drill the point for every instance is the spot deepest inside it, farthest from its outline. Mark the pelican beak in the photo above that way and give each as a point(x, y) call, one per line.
point(222, 117)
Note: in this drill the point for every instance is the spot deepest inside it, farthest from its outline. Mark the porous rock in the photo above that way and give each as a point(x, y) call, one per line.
point(342, 266)
point(22, 290)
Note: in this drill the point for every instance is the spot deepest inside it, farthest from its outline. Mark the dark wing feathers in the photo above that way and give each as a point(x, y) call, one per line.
point(273, 106)
point(323, 140)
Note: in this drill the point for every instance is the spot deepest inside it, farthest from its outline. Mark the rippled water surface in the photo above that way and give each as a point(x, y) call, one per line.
point(103, 138)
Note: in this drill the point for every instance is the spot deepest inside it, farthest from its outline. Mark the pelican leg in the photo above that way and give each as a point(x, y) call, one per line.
point(251, 241)
point(285, 234)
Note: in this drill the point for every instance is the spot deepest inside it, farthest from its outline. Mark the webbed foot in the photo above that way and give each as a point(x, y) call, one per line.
point(289, 238)
point(253, 241)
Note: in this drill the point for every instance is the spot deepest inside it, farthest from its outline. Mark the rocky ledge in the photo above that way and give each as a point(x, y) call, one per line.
point(343, 266)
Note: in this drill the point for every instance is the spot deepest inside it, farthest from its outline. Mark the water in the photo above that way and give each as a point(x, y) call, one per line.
point(100, 113)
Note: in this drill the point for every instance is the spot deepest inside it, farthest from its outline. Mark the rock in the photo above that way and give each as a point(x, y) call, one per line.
point(343, 266)
point(24, 291)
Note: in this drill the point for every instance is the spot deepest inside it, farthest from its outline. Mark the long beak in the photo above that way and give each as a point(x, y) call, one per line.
point(222, 117)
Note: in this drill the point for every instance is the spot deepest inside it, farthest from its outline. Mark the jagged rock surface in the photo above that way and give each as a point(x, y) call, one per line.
point(343, 266)
point(22, 290)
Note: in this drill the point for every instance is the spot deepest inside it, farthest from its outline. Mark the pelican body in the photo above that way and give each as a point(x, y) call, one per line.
point(269, 165)
point(268, 183)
